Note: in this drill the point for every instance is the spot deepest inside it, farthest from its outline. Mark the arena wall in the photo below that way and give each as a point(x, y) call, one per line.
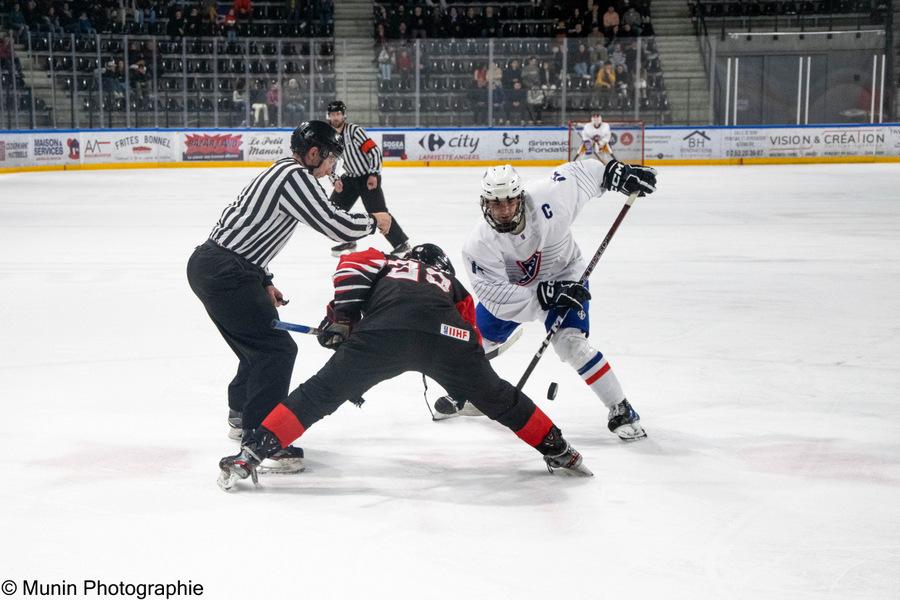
point(35, 150)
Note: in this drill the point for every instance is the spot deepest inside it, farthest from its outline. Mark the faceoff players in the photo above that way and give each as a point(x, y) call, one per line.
point(523, 263)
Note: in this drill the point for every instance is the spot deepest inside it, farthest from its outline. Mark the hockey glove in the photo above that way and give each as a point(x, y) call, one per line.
point(628, 179)
point(562, 295)
point(332, 335)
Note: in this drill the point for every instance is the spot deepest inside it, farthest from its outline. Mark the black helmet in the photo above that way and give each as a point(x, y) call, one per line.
point(317, 134)
point(432, 256)
point(337, 106)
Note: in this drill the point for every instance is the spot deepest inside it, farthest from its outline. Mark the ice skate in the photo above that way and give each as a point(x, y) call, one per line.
point(447, 407)
point(345, 248)
point(234, 468)
point(284, 462)
point(625, 422)
point(558, 454)
point(257, 446)
point(235, 424)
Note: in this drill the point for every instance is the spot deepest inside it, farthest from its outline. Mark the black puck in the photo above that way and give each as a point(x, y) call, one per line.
point(551, 391)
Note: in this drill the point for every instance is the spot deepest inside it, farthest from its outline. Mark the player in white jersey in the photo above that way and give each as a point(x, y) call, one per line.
point(524, 265)
point(595, 136)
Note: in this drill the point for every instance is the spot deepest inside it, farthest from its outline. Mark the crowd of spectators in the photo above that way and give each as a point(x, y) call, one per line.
point(599, 39)
point(171, 18)
point(609, 18)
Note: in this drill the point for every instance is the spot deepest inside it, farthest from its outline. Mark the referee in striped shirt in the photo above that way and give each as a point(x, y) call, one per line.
point(362, 177)
point(229, 271)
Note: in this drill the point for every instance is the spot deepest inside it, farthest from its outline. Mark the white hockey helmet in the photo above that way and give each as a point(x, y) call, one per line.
point(502, 184)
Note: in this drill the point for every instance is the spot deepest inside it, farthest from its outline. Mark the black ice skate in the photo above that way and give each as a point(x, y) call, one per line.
point(558, 454)
point(256, 447)
point(235, 424)
point(625, 422)
point(345, 248)
point(284, 462)
point(447, 407)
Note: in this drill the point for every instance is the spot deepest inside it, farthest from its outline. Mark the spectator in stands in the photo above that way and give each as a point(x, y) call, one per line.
point(618, 56)
point(594, 17)
point(404, 65)
point(606, 78)
point(535, 100)
point(513, 72)
point(137, 75)
point(515, 104)
point(495, 75)
point(474, 23)
point(478, 97)
point(193, 23)
point(229, 25)
point(84, 25)
point(273, 100)
point(403, 33)
point(381, 14)
point(17, 20)
point(531, 74)
point(633, 18)
point(243, 9)
point(625, 31)
point(258, 105)
point(209, 14)
point(293, 103)
point(6, 63)
point(454, 25)
point(67, 20)
point(492, 24)
point(50, 22)
point(549, 75)
point(112, 83)
point(420, 24)
point(385, 62)
point(560, 31)
point(575, 24)
point(239, 99)
point(581, 61)
point(397, 17)
point(176, 26)
point(498, 101)
point(646, 24)
point(610, 22)
point(599, 55)
point(381, 37)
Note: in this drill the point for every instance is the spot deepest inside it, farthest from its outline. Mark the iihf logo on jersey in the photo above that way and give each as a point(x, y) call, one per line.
point(557, 177)
point(530, 268)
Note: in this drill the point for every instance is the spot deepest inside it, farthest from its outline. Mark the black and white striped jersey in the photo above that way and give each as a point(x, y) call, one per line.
point(362, 156)
point(259, 223)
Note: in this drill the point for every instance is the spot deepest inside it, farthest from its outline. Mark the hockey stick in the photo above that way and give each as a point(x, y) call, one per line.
point(296, 328)
point(583, 280)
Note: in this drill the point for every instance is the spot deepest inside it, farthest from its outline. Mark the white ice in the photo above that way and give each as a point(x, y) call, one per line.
point(751, 314)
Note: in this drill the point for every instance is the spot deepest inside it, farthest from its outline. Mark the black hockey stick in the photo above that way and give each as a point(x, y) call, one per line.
point(584, 277)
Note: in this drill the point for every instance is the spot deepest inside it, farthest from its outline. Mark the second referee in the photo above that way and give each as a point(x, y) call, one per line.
point(362, 177)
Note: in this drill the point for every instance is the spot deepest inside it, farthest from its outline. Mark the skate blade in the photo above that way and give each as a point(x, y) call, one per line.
point(284, 466)
point(439, 416)
point(226, 480)
point(630, 433)
point(579, 471)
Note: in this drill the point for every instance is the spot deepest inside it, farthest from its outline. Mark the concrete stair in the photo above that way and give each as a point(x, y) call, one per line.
point(355, 67)
point(686, 81)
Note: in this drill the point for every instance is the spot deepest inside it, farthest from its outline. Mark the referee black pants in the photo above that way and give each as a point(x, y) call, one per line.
point(233, 292)
point(370, 357)
point(373, 200)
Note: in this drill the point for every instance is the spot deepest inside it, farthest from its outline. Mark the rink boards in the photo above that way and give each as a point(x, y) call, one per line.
point(166, 148)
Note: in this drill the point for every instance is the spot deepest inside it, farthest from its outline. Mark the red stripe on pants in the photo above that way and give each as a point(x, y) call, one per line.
point(597, 375)
point(284, 424)
point(536, 428)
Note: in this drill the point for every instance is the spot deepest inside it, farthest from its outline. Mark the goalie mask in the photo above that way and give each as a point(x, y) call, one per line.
point(433, 256)
point(503, 199)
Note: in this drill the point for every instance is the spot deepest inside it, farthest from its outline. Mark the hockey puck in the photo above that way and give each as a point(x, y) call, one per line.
point(551, 391)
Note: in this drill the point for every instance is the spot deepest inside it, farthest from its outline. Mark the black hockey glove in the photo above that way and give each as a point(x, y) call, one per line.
point(332, 335)
point(627, 179)
point(562, 294)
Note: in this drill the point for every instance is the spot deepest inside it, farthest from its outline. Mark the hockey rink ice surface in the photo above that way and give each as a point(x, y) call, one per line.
point(752, 315)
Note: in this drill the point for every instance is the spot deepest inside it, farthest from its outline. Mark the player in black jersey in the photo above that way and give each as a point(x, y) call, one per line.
point(391, 315)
